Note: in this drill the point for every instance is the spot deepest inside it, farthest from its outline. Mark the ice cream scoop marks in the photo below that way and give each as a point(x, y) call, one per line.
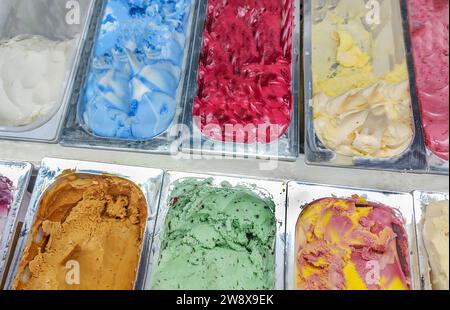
point(137, 73)
point(222, 229)
point(351, 244)
point(87, 234)
point(360, 109)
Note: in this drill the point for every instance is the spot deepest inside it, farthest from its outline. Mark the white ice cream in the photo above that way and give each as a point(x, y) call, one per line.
point(435, 236)
point(32, 76)
point(370, 122)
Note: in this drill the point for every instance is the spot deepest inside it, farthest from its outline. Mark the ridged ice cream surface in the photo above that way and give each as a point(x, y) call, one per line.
point(244, 78)
point(87, 235)
point(428, 21)
point(216, 237)
point(361, 101)
point(351, 244)
point(133, 84)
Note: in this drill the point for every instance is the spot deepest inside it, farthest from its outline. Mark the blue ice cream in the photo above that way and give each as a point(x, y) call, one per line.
point(136, 69)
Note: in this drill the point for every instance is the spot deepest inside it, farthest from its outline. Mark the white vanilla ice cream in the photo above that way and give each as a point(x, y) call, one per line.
point(33, 70)
point(435, 237)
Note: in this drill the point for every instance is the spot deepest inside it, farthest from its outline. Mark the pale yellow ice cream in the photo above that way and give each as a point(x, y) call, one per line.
point(351, 66)
point(435, 237)
point(362, 104)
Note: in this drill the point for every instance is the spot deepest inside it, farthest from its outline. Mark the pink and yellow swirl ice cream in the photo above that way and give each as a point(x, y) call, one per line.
point(351, 244)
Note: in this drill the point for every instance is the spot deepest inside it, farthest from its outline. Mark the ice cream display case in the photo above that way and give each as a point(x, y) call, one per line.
point(14, 178)
point(348, 238)
point(129, 91)
point(224, 145)
point(242, 92)
point(40, 48)
point(429, 56)
point(218, 232)
point(359, 109)
point(182, 231)
point(432, 228)
point(88, 226)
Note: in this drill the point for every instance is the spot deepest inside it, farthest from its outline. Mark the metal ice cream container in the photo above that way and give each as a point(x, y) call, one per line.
point(56, 20)
point(317, 153)
point(275, 190)
point(77, 133)
point(284, 148)
point(300, 195)
point(435, 163)
point(421, 201)
point(19, 174)
point(146, 179)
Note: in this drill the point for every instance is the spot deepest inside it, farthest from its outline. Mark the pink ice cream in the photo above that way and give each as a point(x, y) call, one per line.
point(430, 39)
point(6, 195)
point(6, 198)
point(244, 77)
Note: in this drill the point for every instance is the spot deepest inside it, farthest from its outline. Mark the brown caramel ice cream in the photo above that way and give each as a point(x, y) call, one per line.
point(87, 235)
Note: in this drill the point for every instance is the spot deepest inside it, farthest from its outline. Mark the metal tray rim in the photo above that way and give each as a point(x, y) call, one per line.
point(419, 206)
point(151, 177)
point(291, 136)
point(170, 177)
point(6, 249)
point(75, 131)
point(416, 149)
point(59, 112)
point(294, 210)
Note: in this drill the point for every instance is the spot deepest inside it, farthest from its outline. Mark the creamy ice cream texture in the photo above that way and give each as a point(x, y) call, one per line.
point(216, 238)
point(435, 236)
point(97, 222)
point(361, 103)
point(244, 77)
point(132, 86)
point(428, 21)
point(6, 198)
point(32, 74)
point(351, 244)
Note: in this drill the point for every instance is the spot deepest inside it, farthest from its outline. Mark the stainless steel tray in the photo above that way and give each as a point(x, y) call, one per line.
point(194, 142)
point(276, 190)
point(413, 159)
point(300, 195)
point(421, 201)
point(436, 165)
point(76, 133)
point(46, 18)
point(147, 179)
point(19, 173)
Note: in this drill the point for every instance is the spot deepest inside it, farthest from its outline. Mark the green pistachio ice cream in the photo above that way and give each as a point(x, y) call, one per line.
point(216, 238)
